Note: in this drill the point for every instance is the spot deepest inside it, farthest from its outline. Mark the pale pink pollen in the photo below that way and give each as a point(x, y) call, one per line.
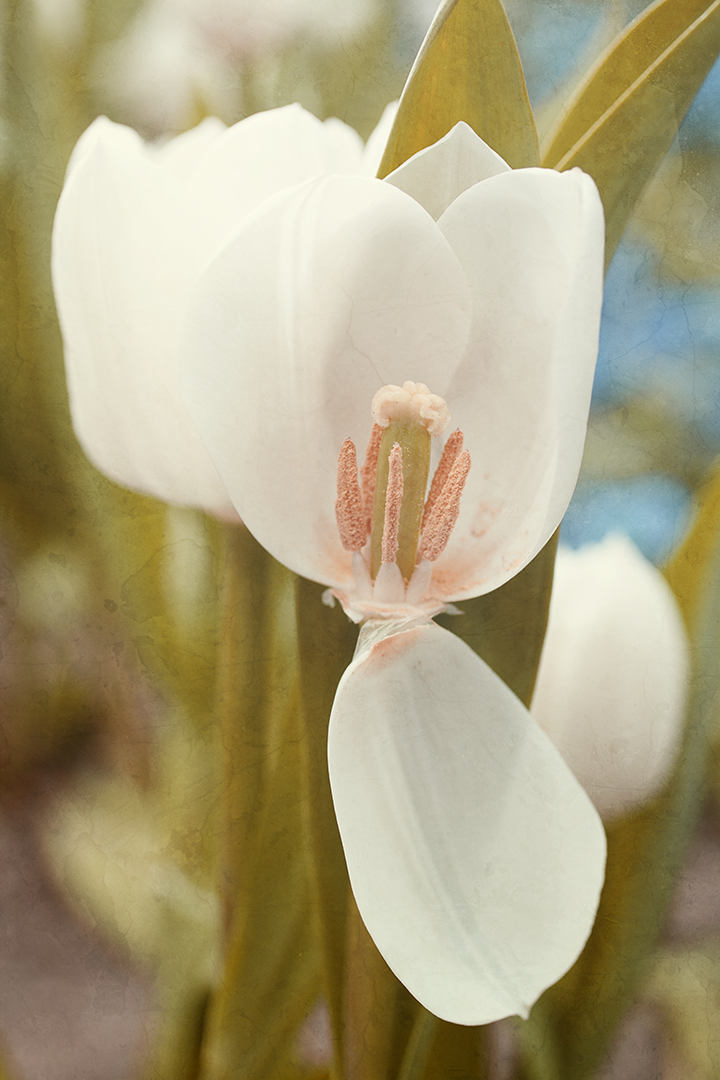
point(450, 451)
point(393, 502)
point(349, 512)
point(368, 474)
point(446, 511)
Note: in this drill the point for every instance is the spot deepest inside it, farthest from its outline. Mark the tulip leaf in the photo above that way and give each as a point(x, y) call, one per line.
point(624, 116)
point(326, 640)
point(644, 850)
point(467, 69)
point(271, 979)
point(685, 984)
point(437, 1050)
point(379, 1011)
point(689, 567)
point(507, 627)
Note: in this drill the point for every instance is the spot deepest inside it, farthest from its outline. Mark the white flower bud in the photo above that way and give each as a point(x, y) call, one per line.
point(613, 680)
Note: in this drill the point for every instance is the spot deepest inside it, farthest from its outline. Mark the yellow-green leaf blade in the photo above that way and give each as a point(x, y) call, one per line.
point(686, 572)
point(626, 59)
point(467, 69)
point(622, 149)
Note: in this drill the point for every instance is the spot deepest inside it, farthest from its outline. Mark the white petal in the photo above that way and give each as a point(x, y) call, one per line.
point(342, 151)
point(531, 243)
point(122, 278)
point(613, 680)
point(475, 858)
point(183, 154)
point(436, 175)
point(257, 158)
point(333, 290)
point(106, 132)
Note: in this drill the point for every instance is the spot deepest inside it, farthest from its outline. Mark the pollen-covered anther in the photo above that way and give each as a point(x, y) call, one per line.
point(393, 504)
point(368, 473)
point(450, 452)
point(349, 513)
point(411, 401)
point(441, 522)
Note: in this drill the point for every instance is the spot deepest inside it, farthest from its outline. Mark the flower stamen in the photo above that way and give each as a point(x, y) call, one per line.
point(349, 512)
point(450, 452)
point(393, 505)
point(368, 473)
point(446, 510)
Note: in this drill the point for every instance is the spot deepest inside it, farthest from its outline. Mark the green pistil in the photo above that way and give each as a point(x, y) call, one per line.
point(414, 441)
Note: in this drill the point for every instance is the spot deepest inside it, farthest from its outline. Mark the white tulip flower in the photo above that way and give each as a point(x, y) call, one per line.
point(135, 225)
point(613, 681)
point(455, 286)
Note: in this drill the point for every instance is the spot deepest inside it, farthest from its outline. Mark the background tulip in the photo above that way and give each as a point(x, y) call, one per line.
point(134, 227)
point(613, 680)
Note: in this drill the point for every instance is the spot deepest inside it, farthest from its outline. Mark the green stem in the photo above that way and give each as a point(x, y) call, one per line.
point(379, 1012)
point(271, 976)
point(326, 642)
point(419, 1047)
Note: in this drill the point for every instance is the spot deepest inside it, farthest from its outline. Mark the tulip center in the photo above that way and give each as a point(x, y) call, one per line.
point(392, 524)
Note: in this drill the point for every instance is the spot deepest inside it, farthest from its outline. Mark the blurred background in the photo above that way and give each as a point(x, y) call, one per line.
point(108, 600)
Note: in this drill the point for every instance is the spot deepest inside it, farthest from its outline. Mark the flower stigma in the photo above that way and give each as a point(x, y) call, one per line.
point(386, 517)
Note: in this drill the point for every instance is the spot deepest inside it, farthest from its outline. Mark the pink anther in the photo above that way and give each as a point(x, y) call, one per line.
point(450, 452)
point(442, 520)
point(368, 474)
point(349, 505)
point(393, 503)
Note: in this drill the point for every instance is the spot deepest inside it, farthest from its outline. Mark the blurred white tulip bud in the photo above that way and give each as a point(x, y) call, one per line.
point(613, 681)
point(181, 56)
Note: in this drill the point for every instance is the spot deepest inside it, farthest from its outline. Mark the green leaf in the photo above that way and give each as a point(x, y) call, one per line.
point(625, 114)
point(507, 627)
point(685, 983)
point(467, 69)
point(691, 563)
point(380, 1012)
point(645, 851)
point(271, 978)
point(326, 641)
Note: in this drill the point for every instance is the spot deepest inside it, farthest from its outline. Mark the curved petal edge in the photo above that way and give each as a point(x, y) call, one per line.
point(475, 857)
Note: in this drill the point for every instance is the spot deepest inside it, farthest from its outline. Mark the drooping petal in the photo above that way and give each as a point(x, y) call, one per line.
point(122, 276)
point(613, 680)
point(531, 243)
point(333, 290)
point(475, 857)
point(437, 175)
point(259, 157)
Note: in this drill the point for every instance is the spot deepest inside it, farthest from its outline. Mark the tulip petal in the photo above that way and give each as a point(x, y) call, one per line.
point(613, 680)
point(259, 157)
point(333, 290)
point(105, 132)
point(121, 278)
point(475, 857)
point(531, 243)
point(183, 154)
point(435, 176)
